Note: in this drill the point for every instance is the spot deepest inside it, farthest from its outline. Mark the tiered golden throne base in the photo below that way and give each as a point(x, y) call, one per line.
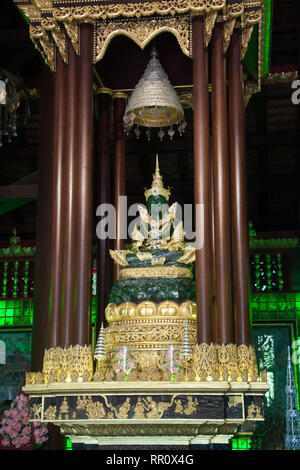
point(218, 391)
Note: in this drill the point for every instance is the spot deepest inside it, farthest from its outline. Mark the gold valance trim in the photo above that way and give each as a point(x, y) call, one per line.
point(161, 271)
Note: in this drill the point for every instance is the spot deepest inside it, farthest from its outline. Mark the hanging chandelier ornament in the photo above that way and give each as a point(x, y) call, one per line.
point(11, 92)
point(154, 104)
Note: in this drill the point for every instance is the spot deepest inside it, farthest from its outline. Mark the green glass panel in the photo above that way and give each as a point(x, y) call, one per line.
point(2, 303)
point(242, 444)
point(94, 310)
point(282, 307)
point(10, 303)
point(273, 306)
point(234, 443)
point(9, 312)
point(68, 444)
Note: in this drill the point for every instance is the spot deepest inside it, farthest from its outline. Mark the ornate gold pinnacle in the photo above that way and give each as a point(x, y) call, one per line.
point(157, 188)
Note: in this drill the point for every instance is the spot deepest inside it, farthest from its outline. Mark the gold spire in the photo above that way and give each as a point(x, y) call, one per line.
point(157, 188)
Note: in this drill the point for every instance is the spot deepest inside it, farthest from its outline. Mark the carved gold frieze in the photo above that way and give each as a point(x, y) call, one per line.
point(208, 362)
point(254, 412)
point(58, 35)
point(280, 77)
point(145, 408)
point(142, 32)
point(147, 309)
point(43, 43)
point(166, 271)
point(68, 364)
point(147, 333)
point(147, 429)
point(138, 9)
point(140, 21)
point(250, 89)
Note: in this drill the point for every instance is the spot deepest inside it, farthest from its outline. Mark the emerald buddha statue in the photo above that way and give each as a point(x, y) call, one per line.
point(154, 296)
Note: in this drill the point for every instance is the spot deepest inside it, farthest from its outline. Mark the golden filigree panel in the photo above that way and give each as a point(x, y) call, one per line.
point(140, 21)
point(165, 271)
point(152, 310)
point(148, 333)
point(142, 32)
point(208, 363)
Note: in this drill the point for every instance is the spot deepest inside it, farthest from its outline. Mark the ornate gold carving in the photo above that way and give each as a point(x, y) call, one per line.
point(138, 10)
point(142, 32)
point(144, 256)
point(228, 30)
point(235, 400)
point(119, 256)
point(209, 362)
point(166, 271)
point(143, 428)
point(250, 89)
point(64, 410)
point(210, 20)
point(189, 409)
point(36, 411)
point(145, 408)
point(254, 412)
point(204, 362)
point(142, 310)
point(67, 364)
point(72, 29)
point(281, 77)
point(60, 40)
point(246, 35)
point(189, 255)
point(43, 43)
point(158, 261)
point(139, 410)
point(94, 410)
point(187, 99)
point(148, 334)
point(137, 21)
point(155, 409)
point(225, 362)
point(50, 413)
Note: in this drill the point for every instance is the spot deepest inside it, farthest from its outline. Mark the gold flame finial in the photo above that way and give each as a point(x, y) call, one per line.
point(157, 173)
point(157, 188)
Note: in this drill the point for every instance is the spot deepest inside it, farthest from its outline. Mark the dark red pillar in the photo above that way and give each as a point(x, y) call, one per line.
point(202, 182)
point(83, 226)
point(44, 221)
point(54, 317)
point(103, 197)
point(238, 191)
point(70, 206)
point(222, 238)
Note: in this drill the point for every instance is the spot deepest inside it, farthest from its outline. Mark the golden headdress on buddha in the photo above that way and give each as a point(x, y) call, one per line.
point(157, 188)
